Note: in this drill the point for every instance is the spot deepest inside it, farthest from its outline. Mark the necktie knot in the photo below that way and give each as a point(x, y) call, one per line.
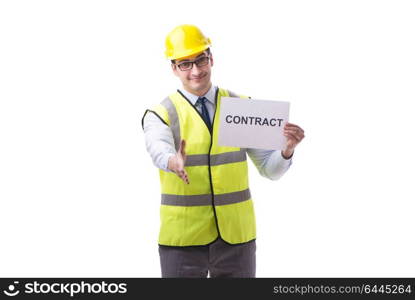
point(201, 100)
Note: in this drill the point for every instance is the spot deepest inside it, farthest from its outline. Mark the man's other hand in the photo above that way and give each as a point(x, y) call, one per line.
point(294, 135)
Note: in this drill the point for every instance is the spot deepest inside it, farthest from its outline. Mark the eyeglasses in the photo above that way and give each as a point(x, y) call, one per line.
point(188, 65)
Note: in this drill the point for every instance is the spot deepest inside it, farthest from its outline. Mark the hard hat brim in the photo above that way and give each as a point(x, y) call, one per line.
point(189, 52)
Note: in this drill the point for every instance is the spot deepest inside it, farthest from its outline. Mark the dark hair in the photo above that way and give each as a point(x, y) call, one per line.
point(173, 61)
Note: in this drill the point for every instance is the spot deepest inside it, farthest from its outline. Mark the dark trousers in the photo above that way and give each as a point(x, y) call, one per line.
point(218, 259)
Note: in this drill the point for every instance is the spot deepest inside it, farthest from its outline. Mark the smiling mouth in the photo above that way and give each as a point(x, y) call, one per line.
point(198, 78)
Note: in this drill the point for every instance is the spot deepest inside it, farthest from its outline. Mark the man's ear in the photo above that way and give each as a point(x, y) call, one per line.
point(174, 69)
point(211, 60)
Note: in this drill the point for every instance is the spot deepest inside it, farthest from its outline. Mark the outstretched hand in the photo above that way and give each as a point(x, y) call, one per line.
point(177, 162)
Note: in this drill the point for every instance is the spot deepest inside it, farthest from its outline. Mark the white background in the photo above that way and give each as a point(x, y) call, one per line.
point(79, 194)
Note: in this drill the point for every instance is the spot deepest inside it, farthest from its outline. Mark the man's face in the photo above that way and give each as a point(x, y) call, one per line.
point(195, 79)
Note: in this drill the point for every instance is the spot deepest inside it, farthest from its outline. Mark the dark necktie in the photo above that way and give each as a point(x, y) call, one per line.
point(205, 113)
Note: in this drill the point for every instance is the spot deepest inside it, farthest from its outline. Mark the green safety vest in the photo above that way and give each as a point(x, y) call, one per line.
point(217, 202)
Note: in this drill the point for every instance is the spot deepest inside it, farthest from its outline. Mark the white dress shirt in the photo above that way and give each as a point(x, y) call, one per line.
point(160, 142)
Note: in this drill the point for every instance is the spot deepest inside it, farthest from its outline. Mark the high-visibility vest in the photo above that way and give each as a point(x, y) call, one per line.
point(217, 202)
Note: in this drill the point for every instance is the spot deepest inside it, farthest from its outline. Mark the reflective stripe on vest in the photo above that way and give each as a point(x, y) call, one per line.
point(174, 120)
point(205, 199)
point(216, 159)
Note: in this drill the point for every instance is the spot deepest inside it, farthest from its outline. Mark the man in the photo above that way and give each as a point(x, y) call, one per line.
point(207, 214)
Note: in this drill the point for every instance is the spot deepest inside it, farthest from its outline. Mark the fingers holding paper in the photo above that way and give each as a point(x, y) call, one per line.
point(294, 135)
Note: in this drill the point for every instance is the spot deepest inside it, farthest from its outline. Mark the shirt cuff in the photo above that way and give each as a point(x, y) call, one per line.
point(164, 162)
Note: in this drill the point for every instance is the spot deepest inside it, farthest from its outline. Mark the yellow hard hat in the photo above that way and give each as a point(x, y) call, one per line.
point(185, 40)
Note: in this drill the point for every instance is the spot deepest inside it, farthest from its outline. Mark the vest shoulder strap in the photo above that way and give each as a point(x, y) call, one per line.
point(173, 117)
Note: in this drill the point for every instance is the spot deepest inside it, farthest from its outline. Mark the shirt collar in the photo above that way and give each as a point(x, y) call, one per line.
point(210, 95)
